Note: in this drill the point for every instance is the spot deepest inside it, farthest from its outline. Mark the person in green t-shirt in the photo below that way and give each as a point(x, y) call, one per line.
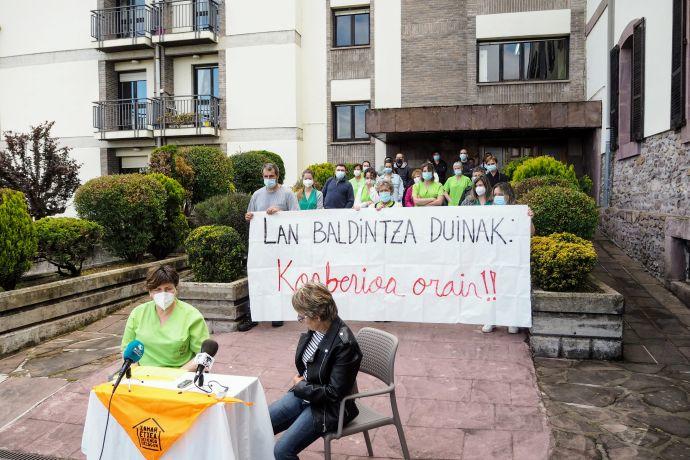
point(357, 181)
point(385, 191)
point(307, 195)
point(428, 192)
point(481, 193)
point(171, 330)
point(457, 186)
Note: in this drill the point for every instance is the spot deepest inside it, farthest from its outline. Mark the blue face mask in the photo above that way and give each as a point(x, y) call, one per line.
point(437, 157)
point(385, 196)
point(491, 168)
point(269, 183)
point(340, 175)
point(426, 175)
point(387, 170)
point(499, 199)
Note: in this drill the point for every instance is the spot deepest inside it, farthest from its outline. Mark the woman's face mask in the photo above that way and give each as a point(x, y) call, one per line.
point(499, 199)
point(163, 299)
point(417, 179)
point(481, 190)
point(385, 196)
point(307, 182)
point(427, 175)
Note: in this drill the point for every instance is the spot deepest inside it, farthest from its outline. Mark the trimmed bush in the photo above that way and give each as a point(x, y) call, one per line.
point(271, 157)
point(18, 243)
point(510, 168)
point(67, 242)
point(560, 209)
point(586, 184)
point(544, 166)
point(561, 261)
point(217, 254)
point(213, 171)
point(128, 206)
point(248, 167)
point(523, 187)
point(170, 233)
point(224, 210)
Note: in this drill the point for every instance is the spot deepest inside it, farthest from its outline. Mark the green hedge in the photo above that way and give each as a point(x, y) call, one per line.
point(213, 171)
point(67, 242)
point(18, 243)
point(510, 168)
point(170, 233)
point(226, 210)
point(561, 261)
point(217, 254)
point(248, 174)
point(561, 209)
point(129, 207)
point(272, 157)
point(525, 186)
point(544, 166)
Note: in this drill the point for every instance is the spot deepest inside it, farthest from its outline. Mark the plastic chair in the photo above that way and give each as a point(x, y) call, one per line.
point(378, 360)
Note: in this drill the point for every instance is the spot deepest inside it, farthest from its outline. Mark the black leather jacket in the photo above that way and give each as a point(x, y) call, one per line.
point(331, 375)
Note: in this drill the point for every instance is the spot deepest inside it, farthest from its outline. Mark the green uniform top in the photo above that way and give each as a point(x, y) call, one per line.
point(455, 186)
point(357, 184)
point(421, 190)
point(174, 343)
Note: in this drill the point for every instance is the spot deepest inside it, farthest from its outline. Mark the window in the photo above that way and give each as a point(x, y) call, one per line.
point(348, 122)
point(523, 61)
point(351, 28)
point(132, 105)
point(206, 81)
point(678, 63)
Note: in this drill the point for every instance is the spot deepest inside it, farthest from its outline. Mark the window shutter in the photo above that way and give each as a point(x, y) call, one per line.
point(613, 98)
point(637, 103)
point(678, 66)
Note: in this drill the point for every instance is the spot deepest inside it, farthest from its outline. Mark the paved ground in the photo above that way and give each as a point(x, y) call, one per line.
point(461, 393)
point(637, 408)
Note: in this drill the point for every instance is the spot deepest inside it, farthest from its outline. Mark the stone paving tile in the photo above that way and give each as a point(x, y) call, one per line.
point(483, 444)
point(19, 394)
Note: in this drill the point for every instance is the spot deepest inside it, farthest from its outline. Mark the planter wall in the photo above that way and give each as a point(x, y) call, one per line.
point(31, 315)
point(222, 304)
point(578, 325)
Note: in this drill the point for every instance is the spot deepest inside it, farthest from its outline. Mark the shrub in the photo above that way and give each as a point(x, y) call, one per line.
point(226, 210)
point(271, 157)
point(212, 171)
point(67, 242)
point(523, 187)
point(247, 167)
point(544, 166)
point(586, 184)
point(560, 209)
point(510, 168)
point(169, 233)
point(217, 254)
point(18, 242)
point(561, 261)
point(129, 207)
point(167, 160)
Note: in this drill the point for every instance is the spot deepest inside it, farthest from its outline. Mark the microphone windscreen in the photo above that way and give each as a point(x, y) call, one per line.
point(134, 351)
point(210, 347)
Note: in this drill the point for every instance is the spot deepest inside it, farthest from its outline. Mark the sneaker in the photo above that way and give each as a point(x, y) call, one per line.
point(513, 330)
point(246, 324)
point(488, 328)
point(276, 323)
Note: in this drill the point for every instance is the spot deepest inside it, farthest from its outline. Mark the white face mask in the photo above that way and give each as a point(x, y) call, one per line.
point(357, 173)
point(164, 299)
point(308, 182)
point(480, 190)
point(417, 180)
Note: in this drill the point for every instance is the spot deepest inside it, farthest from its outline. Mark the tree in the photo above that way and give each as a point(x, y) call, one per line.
point(34, 165)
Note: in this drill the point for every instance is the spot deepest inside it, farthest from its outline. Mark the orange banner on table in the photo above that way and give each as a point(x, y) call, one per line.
point(154, 418)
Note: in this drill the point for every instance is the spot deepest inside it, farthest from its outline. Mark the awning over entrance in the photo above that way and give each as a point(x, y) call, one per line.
point(390, 124)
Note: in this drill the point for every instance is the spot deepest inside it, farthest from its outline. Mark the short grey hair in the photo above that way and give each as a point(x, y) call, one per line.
point(314, 300)
point(457, 163)
point(271, 167)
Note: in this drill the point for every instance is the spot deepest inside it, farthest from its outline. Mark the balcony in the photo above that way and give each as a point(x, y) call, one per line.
point(170, 116)
point(187, 116)
point(186, 22)
point(122, 28)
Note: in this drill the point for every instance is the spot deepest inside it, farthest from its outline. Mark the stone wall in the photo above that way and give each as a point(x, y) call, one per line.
point(646, 190)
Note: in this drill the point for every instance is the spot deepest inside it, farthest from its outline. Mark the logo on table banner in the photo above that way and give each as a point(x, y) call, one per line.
point(149, 434)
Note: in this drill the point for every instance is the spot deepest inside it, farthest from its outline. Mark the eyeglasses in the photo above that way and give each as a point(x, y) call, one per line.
point(301, 318)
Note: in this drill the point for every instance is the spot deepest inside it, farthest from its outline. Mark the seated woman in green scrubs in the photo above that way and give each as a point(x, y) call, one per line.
point(171, 330)
point(481, 193)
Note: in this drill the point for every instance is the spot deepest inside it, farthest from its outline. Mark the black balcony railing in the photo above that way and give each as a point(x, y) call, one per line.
point(176, 16)
point(158, 113)
point(121, 22)
point(123, 115)
point(186, 112)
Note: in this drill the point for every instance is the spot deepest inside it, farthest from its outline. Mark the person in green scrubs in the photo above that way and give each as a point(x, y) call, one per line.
point(171, 330)
point(481, 193)
point(358, 180)
point(428, 192)
point(385, 191)
point(457, 186)
point(307, 195)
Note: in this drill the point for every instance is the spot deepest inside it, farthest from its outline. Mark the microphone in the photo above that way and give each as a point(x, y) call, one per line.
point(204, 360)
point(132, 354)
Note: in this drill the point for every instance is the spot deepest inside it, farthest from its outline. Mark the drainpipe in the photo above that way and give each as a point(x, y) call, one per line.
point(157, 82)
point(606, 195)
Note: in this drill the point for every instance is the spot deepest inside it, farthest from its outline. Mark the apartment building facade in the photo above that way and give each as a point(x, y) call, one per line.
point(120, 77)
point(637, 65)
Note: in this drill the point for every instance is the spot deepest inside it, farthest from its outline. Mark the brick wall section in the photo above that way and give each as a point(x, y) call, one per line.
point(168, 74)
point(439, 54)
point(109, 162)
point(345, 64)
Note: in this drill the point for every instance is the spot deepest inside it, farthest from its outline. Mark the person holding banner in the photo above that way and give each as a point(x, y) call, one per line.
point(428, 192)
point(367, 195)
point(338, 193)
point(456, 187)
point(171, 330)
point(480, 195)
point(327, 360)
point(385, 191)
point(271, 198)
point(307, 196)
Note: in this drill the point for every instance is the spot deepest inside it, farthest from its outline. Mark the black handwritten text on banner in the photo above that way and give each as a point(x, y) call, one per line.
point(466, 264)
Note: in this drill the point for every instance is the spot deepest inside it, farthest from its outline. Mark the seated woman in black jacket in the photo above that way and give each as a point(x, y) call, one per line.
point(327, 360)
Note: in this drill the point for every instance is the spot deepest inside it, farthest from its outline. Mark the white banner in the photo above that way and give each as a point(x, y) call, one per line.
point(468, 264)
